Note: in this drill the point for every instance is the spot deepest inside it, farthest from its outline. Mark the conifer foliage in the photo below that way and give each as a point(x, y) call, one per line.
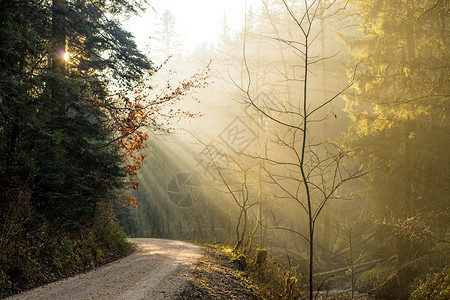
point(74, 106)
point(399, 124)
point(399, 109)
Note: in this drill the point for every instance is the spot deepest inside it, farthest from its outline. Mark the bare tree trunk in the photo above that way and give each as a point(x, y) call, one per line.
point(313, 172)
point(59, 36)
point(59, 66)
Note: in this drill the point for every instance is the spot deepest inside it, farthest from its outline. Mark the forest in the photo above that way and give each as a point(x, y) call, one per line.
point(313, 141)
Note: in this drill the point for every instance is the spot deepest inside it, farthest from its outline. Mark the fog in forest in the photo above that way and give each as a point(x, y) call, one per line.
point(308, 140)
point(323, 130)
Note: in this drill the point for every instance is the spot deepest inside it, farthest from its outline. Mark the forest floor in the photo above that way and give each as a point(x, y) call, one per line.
point(157, 270)
point(167, 269)
point(214, 276)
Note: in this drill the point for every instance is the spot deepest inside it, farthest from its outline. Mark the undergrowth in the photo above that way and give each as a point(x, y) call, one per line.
point(32, 255)
point(436, 285)
point(258, 270)
point(273, 280)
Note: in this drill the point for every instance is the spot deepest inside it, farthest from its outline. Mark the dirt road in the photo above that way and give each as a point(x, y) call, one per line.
point(157, 270)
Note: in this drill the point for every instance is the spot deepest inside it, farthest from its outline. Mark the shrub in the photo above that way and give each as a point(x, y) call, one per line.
point(434, 286)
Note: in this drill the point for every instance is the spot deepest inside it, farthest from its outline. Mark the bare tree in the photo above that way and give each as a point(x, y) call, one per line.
point(303, 168)
point(235, 181)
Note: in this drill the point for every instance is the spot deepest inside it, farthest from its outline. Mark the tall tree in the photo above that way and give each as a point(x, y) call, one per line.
point(64, 102)
point(166, 37)
point(305, 168)
point(75, 109)
point(399, 113)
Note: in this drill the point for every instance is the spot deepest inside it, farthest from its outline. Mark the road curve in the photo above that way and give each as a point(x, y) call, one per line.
point(156, 270)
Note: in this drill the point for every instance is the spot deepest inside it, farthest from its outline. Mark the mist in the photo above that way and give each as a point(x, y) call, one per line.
point(320, 135)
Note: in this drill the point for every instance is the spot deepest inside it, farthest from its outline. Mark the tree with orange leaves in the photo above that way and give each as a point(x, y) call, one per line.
point(75, 113)
point(143, 113)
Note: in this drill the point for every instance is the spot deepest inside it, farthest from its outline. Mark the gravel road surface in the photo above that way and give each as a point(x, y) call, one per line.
point(157, 270)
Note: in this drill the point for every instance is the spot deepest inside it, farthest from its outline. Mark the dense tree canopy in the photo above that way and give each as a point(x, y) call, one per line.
point(67, 73)
point(79, 101)
point(75, 108)
point(399, 120)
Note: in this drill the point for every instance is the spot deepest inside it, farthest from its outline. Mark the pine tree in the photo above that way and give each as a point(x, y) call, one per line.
point(56, 124)
point(399, 113)
point(166, 37)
